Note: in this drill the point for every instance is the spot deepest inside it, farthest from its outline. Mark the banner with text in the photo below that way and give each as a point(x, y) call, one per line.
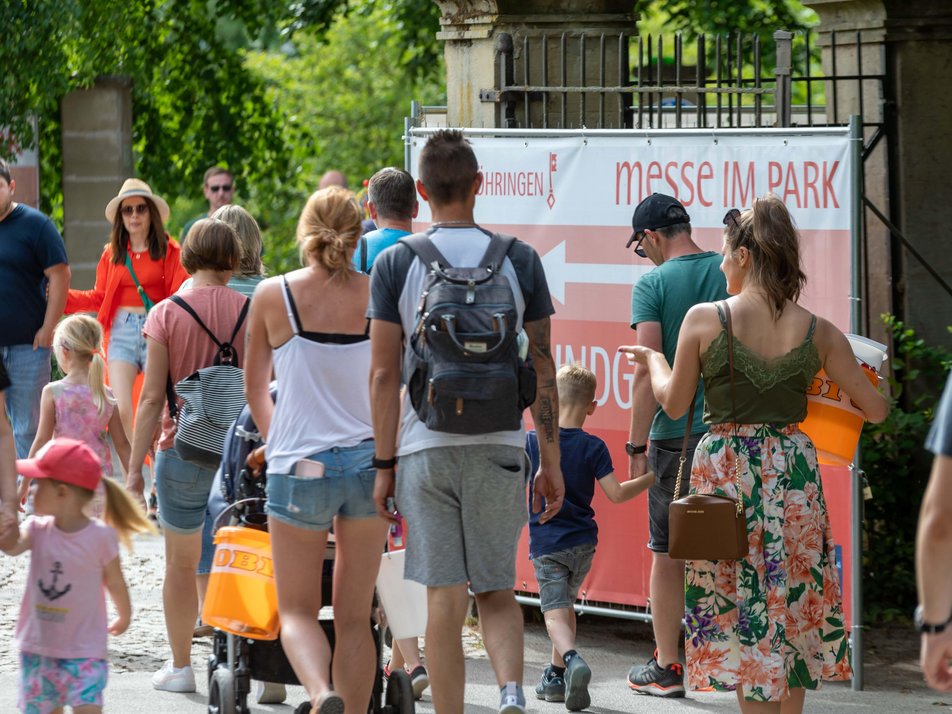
point(571, 196)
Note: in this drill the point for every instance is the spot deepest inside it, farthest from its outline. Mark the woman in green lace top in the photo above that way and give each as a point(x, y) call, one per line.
point(770, 625)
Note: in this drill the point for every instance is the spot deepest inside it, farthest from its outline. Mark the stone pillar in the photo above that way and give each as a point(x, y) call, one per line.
point(477, 32)
point(919, 72)
point(97, 157)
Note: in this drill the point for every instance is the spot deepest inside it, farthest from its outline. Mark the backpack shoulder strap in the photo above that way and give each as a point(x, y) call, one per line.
point(496, 251)
point(241, 319)
point(363, 254)
point(425, 250)
point(188, 308)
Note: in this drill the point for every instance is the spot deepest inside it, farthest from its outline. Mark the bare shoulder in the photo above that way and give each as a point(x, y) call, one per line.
point(702, 318)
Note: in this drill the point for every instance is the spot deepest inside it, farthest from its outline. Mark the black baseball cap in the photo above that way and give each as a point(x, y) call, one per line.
point(658, 211)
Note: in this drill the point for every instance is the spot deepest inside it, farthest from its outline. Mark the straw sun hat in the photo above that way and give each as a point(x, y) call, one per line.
point(134, 187)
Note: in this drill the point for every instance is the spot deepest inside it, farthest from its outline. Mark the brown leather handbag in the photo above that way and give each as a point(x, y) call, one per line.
point(707, 526)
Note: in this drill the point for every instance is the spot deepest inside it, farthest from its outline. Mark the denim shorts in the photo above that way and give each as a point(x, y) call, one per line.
point(560, 575)
point(346, 489)
point(182, 489)
point(663, 457)
point(47, 683)
point(126, 342)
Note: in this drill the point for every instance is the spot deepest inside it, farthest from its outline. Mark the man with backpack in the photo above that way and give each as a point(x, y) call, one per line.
point(446, 308)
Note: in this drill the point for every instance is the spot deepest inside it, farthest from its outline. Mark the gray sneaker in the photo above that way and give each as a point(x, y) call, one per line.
point(511, 700)
point(551, 687)
point(577, 676)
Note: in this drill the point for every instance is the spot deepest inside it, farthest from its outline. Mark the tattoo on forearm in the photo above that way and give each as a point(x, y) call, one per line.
point(546, 419)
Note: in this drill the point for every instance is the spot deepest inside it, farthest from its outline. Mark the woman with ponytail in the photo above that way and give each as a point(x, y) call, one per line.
point(311, 327)
point(80, 406)
point(770, 625)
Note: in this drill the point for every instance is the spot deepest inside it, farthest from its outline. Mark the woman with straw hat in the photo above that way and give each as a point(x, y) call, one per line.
point(139, 267)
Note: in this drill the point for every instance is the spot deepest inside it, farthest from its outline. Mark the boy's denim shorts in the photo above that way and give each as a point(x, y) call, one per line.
point(346, 489)
point(560, 575)
point(126, 342)
point(182, 489)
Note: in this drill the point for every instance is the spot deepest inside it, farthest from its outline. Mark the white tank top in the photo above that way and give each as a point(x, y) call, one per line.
point(323, 393)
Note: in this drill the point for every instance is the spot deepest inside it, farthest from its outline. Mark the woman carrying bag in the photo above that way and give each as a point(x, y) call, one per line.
point(769, 625)
point(139, 267)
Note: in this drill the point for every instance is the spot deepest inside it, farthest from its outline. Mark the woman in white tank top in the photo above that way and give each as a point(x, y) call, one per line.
point(310, 327)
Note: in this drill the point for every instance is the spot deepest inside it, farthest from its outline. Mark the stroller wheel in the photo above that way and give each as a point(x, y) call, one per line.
point(221, 692)
point(399, 695)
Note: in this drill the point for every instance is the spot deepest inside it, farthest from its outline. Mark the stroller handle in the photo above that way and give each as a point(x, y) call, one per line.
point(229, 507)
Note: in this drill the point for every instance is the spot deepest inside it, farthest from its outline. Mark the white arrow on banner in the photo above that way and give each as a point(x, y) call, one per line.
point(558, 272)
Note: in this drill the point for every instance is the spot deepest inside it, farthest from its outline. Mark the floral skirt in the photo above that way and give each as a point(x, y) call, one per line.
point(773, 620)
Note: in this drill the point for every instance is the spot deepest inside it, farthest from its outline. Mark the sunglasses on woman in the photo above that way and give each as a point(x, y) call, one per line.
point(732, 217)
point(141, 209)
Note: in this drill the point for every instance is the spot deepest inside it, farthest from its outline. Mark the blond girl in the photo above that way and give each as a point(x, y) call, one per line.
point(62, 629)
point(81, 406)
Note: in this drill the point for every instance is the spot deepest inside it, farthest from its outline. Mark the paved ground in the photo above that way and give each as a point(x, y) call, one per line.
point(611, 646)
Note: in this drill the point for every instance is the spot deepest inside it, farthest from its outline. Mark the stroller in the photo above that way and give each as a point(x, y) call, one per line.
point(238, 498)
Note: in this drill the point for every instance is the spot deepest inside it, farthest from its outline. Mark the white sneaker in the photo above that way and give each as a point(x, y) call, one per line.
point(270, 692)
point(172, 679)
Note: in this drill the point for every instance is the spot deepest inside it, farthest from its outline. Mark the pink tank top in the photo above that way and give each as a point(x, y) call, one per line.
point(78, 418)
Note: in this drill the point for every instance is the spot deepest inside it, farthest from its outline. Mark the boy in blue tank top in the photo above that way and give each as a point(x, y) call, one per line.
point(562, 548)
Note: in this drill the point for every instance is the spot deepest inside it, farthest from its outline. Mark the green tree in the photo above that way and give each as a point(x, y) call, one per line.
point(345, 90)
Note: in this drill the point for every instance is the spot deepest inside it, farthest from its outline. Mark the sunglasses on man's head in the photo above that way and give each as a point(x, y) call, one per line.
point(638, 236)
point(140, 209)
point(226, 187)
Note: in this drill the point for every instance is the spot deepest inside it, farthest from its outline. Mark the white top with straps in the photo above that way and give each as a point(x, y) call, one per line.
point(323, 394)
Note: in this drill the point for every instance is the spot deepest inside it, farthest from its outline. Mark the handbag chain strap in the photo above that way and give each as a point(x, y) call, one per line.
point(730, 362)
point(690, 422)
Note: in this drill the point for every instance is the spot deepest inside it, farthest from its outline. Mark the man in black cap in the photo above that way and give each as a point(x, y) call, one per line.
point(685, 276)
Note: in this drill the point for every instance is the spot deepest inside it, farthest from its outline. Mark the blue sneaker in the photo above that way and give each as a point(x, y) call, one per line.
point(551, 687)
point(577, 676)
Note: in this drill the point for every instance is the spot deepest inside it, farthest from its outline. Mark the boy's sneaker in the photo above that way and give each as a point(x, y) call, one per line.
point(419, 680)
point(511, 699)
point(172, 679)
point(577, 676)
point(652, 679)
point(551, 687)
point(270, 692)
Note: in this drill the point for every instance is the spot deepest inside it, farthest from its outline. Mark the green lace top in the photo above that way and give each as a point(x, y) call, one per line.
point(767, 390)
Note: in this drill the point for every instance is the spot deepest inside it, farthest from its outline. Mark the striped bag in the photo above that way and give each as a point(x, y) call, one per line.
point(212, 398)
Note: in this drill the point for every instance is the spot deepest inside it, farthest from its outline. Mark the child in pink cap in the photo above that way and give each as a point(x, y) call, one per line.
point(62, 629)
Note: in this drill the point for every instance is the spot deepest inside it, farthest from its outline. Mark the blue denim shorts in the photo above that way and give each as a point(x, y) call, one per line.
point(182, 489)
point(346, 489)
point(560, 575)
point(126, 342)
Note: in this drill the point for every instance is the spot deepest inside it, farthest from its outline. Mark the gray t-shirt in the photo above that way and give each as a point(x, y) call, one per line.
point(395, 287)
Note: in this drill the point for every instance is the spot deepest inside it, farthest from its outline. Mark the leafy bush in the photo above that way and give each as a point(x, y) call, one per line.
point(897, 467)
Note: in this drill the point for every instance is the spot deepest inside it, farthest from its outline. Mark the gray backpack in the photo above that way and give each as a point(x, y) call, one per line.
point(462, 369)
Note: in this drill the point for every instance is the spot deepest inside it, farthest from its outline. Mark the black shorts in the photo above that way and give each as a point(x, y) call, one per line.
point(663, 456)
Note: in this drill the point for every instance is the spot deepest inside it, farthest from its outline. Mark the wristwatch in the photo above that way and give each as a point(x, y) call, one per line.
point(383, 463)
point(633, 450)
point(928, 628)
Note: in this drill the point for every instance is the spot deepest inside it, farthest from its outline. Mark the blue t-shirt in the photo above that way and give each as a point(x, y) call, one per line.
point(585, 459)
point(665, 295)
point(939, 441)
point(29, 244)
point(377, 241)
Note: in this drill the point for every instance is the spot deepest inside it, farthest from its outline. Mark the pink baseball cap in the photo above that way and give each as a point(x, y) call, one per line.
point(66, 460)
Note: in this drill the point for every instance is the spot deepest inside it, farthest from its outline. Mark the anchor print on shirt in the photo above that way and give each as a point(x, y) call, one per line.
point(51, 592)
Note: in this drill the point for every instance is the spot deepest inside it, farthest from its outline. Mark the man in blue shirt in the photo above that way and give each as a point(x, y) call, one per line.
point(34, 280)
point(393, 205)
